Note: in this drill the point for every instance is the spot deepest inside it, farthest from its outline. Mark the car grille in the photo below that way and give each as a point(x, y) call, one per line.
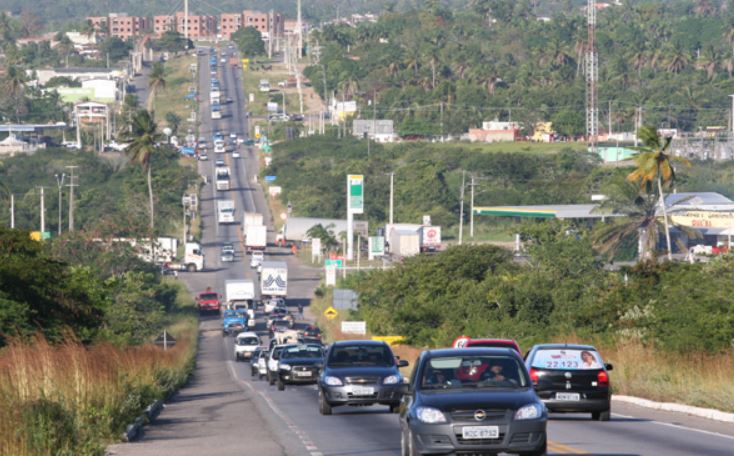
point(522, 437)
point(468, 415)
point(310, 369)
point(464, 441)
point(361, 380)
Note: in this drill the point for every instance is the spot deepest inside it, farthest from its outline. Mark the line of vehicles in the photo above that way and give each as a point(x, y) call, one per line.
point(481, 396)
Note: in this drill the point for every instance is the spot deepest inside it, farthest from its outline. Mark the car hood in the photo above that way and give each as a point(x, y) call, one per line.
point(361, 371)
point(499, 398)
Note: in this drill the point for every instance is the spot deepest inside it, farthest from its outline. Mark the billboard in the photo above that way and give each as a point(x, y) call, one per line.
point(355, 193)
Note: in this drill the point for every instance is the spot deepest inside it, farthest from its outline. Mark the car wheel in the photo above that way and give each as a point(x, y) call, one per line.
point(324, 406)
point(601, 416)
point(281, 385)
point(271, 380)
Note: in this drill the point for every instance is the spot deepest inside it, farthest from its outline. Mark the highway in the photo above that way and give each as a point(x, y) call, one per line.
point(224, 411)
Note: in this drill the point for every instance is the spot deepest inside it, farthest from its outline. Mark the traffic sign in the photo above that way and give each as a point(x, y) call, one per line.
point(355, 191)
point(331, 313)
point(270, 178)
point(166, 340)
point(336, 263)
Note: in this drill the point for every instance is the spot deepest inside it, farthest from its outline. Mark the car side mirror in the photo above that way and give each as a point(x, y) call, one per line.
point(608, 366)
point(403, 363)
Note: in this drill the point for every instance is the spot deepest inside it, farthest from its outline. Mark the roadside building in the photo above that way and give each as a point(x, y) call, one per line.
point(201, 27)
point(264, 23)
point(543, 132)
point(79, 74)
point(341, 110)
point(12, 146)
point(495, 131)
point(119, 25)
point(381, 130)
point(163, 24)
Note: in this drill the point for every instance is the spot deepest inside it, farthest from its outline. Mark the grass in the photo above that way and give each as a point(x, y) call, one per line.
point(509, 147)
point(171, 98)
point(72, 399)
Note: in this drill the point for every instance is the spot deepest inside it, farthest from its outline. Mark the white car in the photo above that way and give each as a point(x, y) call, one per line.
point(256, 259)
point(219, 162)
point(235, 154)
point(219, 149)
point(245, 344)
point(271, 304)
point(203, 157)
point(233, 136)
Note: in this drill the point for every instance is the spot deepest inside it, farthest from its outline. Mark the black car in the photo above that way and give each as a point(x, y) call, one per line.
point(472, 401)
point(300, 364)
point(571, 378)
point(312, 332)
point(360, 372)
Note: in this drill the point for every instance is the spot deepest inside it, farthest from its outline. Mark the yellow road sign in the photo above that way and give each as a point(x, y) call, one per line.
point(331, 313)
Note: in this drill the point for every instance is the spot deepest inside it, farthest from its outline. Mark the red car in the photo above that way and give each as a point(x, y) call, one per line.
point(465, 341)
point(208, 301)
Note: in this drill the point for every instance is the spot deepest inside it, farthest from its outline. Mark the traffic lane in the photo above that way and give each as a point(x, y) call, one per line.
point(624, 409)
point(624, 435)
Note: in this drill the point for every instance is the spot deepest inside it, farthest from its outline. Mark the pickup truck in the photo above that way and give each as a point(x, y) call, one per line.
point(208, 301)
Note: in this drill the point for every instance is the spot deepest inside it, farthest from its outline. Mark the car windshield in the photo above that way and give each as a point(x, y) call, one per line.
point(473, 371)
point(280, 323)
point(302, 352)
point(247, 341)
point(567, 359)
point(208, 296)
point(361, 355)
point(277, 352)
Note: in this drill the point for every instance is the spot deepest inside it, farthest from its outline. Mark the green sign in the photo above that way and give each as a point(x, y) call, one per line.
point(337, 263)
point(355, 189)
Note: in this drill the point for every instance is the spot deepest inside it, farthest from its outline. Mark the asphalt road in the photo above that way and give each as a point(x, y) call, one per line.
point(223, 411)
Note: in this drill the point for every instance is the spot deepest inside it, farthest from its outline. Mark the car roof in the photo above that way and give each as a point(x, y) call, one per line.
point(339, 343)
point(571, 346)
point(441, 352)
point(246, 334)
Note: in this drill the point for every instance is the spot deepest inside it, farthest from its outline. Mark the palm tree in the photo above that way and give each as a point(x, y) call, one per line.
point(14, 86)
point(655, 165)
point(677, 61)
point(145, 136)
point(156, 82)
point(328, 240)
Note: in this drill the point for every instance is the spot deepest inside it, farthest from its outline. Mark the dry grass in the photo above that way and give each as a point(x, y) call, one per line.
point(71, 398)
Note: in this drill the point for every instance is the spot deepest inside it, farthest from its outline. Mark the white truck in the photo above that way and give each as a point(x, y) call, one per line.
point(193, 257)
point(255, 238)
point(240, 294)
point(221, 174)
point(252, 218)
point(430, 238)
point(225, 211)
point(274, 279)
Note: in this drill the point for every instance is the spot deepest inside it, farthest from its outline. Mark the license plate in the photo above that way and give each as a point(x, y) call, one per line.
point(480, 432)
point(568, 396)
point(362, 391)
point(303, 374)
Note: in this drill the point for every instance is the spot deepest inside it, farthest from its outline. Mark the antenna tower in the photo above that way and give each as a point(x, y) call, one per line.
point(592, 71)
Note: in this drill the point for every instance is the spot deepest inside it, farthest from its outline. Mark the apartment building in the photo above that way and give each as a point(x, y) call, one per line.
point(163, 24)
point(200, 26)
point(263, 22)
point(229, 23)
point(119, 25)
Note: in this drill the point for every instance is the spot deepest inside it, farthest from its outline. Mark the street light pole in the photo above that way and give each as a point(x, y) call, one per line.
point(471, 214)
point(12, 211)
point(60, 184)
point(392, 194)
point(43, 213)
point(461, 208)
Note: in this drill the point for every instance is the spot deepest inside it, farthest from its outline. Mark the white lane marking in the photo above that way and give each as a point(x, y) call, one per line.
point(679, 426)
point(302, 435)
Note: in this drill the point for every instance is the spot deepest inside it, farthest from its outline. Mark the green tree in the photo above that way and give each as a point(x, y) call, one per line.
point(156, 81)
point(145, 137)
point(249, 41)
point(115, 49)
point(655, 166)
point(174, 121)
point(325, 234)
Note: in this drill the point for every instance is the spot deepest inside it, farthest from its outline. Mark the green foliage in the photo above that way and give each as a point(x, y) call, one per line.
point(171, 41)
point(115, 49)
point(481, 292)
point(249, 41)
point(313, 171)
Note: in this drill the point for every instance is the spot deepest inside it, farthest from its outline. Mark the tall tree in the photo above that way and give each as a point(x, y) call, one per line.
point(156, 82)
point(145, 137)
point(655, 166)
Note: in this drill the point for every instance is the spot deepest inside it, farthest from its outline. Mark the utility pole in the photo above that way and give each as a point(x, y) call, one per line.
point(392, 194)
point(12, 211)
point(732, 113)
point(270, 35)
point(71, 186)
point(60, 184)
point(609, 131)
point(186, 19)
point(43, 213)
point(299, 55)
point(471, 214)
point(592, 68)
point(461, 208)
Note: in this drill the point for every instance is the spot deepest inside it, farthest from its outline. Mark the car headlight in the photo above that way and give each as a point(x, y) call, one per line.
point(391, 380)
point(529, 412)
point(430, 415)
point(285, 367)
point(333, 381)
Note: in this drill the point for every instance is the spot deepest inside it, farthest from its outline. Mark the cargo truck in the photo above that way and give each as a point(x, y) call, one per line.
point(252, 218)
point(225, 211)
point(240, 295)
point(274, 279)
point(222, 178)
point(256, 237)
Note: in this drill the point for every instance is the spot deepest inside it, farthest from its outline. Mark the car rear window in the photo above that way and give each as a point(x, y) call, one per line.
point(484, 343)
point(567, 359)
point(247, 341)
point(361, 355)
point(302, 352)
point(208, 296)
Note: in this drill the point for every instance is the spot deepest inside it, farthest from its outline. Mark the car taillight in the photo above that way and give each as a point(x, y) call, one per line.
point(534, 376)
point(602, 379)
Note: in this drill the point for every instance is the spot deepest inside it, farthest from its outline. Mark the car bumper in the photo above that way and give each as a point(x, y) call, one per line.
point(383, 394)
point(583, 405)
point(291, 377)
point(243, 354)
point(515, 437)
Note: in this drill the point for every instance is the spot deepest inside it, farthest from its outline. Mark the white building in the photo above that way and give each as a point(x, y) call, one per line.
point(377, 130)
